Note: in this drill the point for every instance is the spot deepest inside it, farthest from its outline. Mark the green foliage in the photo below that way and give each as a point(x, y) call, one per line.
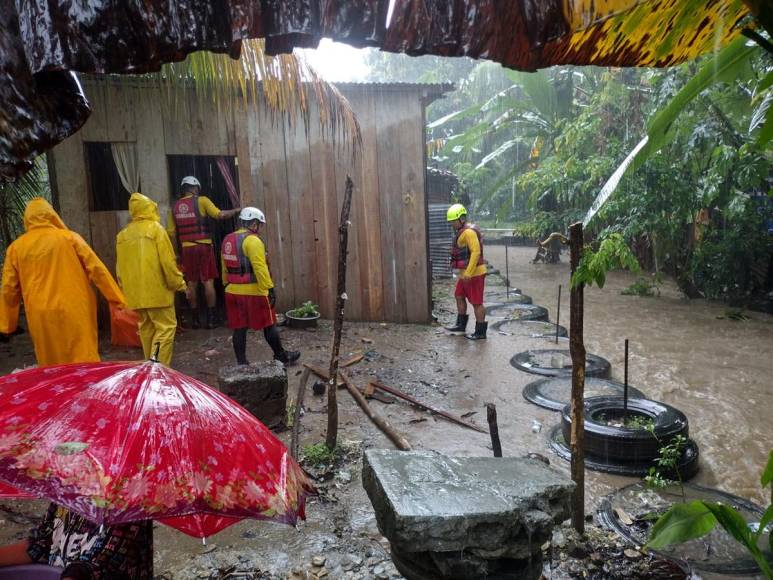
point(667, 461)
point(305, 310)
point(683, 522)
point(613, 253)
point(534, 150)
point(645, 286)
point(319, 454)
point(14, 197)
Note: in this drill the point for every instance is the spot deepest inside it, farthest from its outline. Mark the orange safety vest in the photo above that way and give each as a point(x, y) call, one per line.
point(460, 257)
point(191, 225)
point(237, 264)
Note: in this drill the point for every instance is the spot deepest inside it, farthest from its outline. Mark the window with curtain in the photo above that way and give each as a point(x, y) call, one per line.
point(113, 174)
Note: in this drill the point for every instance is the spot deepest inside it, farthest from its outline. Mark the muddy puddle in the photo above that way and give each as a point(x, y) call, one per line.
point(716, 370)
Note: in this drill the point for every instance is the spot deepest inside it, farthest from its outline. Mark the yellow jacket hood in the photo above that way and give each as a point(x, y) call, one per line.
point(142, 207)
point(40, 214)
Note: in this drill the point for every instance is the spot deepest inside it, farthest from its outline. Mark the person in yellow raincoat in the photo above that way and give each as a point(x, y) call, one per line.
point(148, 273)
point(50, 268)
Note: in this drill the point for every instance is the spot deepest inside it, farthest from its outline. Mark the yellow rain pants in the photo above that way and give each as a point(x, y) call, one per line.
point(51, 269)
point(158, 327)
point(148, 273)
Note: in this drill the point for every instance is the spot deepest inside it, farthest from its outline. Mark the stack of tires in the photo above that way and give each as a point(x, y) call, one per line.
point(628, 450)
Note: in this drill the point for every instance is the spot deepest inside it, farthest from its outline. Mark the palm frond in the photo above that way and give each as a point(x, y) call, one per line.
point(288, 85)
point(14, 197)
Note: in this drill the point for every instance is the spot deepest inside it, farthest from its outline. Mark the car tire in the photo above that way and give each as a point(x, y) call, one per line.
point(624, 443)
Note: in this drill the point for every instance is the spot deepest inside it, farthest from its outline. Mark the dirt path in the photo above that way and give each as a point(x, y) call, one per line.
point(717, 371)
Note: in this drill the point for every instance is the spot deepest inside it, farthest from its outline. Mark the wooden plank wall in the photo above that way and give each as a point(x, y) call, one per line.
point(296, 176)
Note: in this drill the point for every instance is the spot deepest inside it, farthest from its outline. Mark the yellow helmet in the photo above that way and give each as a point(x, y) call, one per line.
point(455, 212)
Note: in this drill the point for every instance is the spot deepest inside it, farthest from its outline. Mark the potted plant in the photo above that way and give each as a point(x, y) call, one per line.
point(304, 316)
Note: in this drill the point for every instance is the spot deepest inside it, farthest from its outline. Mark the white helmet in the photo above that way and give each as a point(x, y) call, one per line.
point(252, 213)
point(190, 180)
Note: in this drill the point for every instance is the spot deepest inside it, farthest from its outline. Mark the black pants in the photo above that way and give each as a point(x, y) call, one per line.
point(270, 333)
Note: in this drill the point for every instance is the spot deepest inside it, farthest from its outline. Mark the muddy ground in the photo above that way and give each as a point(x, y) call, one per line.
point(715, 369)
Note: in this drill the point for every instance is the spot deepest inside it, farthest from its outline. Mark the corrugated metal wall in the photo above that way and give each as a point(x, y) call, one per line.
point(440, 238)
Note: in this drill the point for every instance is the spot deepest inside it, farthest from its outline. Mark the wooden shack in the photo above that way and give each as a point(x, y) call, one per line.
point(295, 175)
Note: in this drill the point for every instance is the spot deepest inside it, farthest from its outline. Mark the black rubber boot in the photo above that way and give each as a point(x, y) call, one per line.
point(195, 322)
point(240, 346)
point(461, 324)
point(212, 321)
point(480, 331)
point(288, 357)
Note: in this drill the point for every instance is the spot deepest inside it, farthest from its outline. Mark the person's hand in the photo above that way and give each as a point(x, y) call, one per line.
point(271, 297)
point(465, 277)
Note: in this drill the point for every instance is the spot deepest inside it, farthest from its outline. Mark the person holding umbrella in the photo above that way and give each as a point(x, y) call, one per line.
point(51, 269)
point(84, 550)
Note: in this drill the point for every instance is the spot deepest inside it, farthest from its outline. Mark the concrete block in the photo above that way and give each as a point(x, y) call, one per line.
point(261, 388)
point(487, 507)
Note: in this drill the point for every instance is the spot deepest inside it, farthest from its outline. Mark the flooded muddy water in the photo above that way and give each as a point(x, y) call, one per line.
point(717, 371)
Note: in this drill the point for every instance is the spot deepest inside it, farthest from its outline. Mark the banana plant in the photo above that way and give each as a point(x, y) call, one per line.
point(725, 66)
point(687, 521)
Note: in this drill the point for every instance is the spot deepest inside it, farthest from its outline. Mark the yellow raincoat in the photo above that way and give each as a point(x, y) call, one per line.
point(148, 274)
point(50, 268)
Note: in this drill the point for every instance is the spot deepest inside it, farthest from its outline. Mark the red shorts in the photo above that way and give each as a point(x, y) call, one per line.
point(199, 263)
point(471, 289)
point(248, 311)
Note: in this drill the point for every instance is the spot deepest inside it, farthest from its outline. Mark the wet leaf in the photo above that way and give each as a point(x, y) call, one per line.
point(681, 523)
point(767, 473)
point(623, 516)
point(71, 447)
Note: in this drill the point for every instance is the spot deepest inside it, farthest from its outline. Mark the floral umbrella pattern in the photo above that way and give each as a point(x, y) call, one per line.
point(121, 442)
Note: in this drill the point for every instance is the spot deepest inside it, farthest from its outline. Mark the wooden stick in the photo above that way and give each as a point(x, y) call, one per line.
point(577, 349)
point(322, 374)
point(625, 384)
point(297, 415)
point(558, 312)
point(445, 414)
point(399, 440)
point(351, 361)
point(343, 241)
point(491, 415)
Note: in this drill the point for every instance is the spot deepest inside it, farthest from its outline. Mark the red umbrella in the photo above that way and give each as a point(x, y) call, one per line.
point(121, 442)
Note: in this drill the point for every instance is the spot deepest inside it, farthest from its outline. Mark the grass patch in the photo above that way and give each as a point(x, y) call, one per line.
point(319, 454)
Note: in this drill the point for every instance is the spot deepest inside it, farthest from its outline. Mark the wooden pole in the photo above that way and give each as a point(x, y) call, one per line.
point(577, 350)
point(398, 439)
point(507, 270)
point(343, 241)
point(558, 312)
point(625, 385)
point(297, 415)
point(491, 415)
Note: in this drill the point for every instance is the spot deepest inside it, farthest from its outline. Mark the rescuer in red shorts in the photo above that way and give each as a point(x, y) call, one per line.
point(467, 257)
point(188, 222)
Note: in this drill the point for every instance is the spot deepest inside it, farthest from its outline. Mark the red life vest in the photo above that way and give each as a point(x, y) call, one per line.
point(191, 225)
point(460, 257)
point(237, 264)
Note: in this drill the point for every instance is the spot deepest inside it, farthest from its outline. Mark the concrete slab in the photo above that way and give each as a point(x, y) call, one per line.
point(261, 388)
point(492, 507)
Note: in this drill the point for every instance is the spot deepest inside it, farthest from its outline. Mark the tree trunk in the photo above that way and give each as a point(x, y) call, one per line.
point(343, 241)
point(577, 349)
